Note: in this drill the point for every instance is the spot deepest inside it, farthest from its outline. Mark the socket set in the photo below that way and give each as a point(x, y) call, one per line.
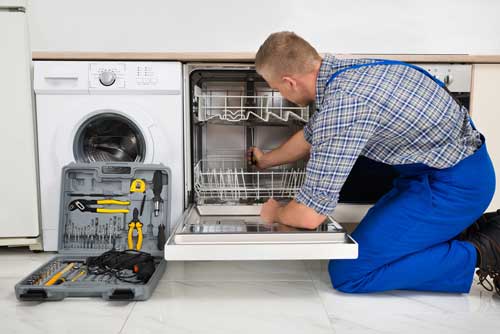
point(59, 272)
point(112, 231)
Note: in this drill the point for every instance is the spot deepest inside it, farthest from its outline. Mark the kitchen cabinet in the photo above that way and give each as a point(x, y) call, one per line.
point(485, 111)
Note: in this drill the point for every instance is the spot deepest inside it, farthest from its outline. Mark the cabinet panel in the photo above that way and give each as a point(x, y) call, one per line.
point(17, 143)
point(485, 110)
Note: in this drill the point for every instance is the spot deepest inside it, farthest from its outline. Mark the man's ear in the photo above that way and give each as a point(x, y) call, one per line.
point(290, 82)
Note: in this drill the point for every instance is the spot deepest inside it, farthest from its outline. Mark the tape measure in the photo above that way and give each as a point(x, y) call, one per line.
point(138, 186)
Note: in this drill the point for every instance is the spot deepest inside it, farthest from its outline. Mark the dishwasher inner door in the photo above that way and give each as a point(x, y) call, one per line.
point(198, 237)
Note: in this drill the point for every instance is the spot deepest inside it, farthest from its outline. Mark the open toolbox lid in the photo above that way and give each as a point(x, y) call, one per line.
point(97, 206)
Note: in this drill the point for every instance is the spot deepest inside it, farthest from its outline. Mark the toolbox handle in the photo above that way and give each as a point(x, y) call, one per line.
point(122, 294)
point(33, 294)
point(116, 169)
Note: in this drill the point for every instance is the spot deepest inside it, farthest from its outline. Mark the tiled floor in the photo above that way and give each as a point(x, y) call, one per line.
point(244, 297)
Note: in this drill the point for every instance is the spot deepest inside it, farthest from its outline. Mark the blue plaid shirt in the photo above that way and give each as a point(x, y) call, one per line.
point(389, 113)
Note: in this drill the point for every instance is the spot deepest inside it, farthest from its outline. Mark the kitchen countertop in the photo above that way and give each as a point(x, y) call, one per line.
point(249, 56)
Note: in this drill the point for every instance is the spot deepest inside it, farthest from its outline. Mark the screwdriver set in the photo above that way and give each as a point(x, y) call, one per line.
point(112, 232)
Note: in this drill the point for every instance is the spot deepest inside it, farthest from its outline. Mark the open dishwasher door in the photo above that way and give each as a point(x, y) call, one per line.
point(229, 108)
point(198, 237)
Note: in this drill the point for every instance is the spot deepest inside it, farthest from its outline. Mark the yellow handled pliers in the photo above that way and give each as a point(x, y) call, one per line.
point(135, 224)
point(84, 205)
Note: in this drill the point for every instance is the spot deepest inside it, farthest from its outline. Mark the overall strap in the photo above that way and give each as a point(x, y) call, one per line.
point(386, 62)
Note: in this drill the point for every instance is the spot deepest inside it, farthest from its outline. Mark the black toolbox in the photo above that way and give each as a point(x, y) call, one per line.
point(103, 208)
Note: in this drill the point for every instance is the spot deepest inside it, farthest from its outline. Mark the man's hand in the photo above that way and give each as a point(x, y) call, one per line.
point(270, 211)
point(292, 150)
point(255, 157)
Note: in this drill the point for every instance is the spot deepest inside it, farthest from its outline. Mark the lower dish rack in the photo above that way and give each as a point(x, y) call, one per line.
point(230, 180)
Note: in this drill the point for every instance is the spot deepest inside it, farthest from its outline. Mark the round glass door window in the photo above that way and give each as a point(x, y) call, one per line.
point(109, 137)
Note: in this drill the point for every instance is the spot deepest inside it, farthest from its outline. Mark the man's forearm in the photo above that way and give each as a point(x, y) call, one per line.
point(298, 215)
point(292, 150)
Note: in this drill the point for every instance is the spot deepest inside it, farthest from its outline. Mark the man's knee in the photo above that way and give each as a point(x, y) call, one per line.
point(343, 273)
point(347, 277)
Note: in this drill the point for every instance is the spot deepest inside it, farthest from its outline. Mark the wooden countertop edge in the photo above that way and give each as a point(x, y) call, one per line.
point(249, 56)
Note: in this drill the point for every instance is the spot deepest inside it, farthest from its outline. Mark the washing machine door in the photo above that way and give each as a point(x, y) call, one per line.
point(109, 136)
point(122, 132)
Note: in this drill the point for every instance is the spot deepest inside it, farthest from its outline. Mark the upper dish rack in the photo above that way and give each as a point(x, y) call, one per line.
point(224, 180)
point(237, 108)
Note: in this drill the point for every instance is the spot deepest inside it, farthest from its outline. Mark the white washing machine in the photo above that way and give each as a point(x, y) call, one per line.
point(106, 111)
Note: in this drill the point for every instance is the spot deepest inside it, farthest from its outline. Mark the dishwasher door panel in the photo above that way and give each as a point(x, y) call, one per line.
point(199, 237)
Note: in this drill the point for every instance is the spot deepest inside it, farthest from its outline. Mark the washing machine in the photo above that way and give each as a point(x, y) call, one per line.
point(91, 111)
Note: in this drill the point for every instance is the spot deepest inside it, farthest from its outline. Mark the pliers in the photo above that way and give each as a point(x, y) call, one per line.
point(135, 224)
point(84, 205)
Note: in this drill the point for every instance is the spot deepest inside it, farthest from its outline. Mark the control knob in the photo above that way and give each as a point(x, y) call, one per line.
point(107, 78)
point(447, 79)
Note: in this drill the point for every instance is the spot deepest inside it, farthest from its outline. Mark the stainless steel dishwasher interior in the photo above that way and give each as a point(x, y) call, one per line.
point(230, 112)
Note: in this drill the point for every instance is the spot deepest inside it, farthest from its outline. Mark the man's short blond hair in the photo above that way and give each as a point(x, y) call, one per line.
point(285, 53)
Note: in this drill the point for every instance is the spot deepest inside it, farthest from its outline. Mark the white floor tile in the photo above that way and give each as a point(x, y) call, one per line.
point(449, 323)
point(408, 311)
point(244, 297)
point(236, 271)
point(73, 315)
point(19, 262)
point(231, 307)
point(318, 269)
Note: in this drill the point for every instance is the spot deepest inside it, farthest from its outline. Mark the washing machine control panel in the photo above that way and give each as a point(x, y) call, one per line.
point(133, 76)
point(107, 75)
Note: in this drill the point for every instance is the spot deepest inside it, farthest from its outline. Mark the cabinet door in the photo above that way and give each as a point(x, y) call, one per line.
point(485, 111)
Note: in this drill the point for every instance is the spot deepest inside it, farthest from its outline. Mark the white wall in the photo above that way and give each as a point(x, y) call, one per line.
point(358, 26)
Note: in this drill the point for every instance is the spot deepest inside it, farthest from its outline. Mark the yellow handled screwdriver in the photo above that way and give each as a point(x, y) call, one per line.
point(59, 274)
point(80, 274)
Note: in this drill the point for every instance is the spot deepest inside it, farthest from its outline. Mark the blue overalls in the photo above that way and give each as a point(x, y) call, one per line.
point(407, 240)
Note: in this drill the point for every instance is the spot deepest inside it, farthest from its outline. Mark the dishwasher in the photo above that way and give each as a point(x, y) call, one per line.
point(227, 109)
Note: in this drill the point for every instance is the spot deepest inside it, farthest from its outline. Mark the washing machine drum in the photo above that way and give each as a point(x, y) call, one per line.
point(109, 137)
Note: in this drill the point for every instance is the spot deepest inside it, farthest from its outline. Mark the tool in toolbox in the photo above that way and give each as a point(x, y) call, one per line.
point(54, 278)
point(135, 224)
point(142, 204)
point(68, 275)
point(157, 200)
point(95, 195)
point(157, 187)
point(77, 276)
point(129, 266)
point(84, 205)
point(46, 272)
point(161, 237)
point(138, 186)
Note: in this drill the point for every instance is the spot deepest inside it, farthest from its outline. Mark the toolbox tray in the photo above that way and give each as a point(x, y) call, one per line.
point(80, 234)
